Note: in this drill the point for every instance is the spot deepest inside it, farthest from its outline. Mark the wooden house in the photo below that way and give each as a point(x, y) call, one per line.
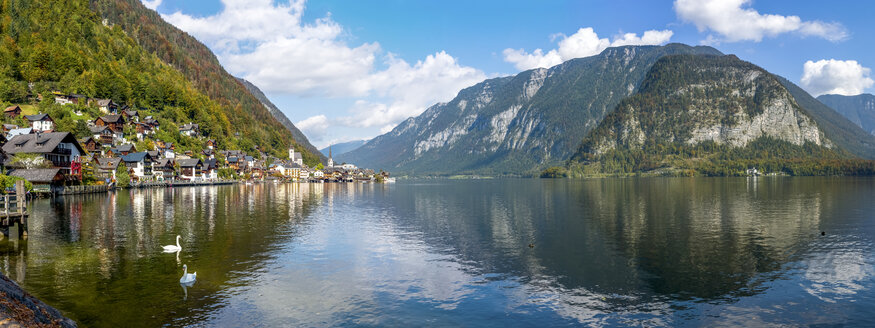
point(13, 111)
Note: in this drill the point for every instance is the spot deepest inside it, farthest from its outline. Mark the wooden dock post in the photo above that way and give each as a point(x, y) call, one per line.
point(21, 197)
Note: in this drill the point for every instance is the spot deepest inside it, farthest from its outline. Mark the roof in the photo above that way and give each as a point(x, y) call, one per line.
point(104, 102)
point(135, 157)
point(130, 112)
point(112, 118)
point(154, 153)
point(189, 162)
point(97, 129)
point(108, 163)
point(210, 163)
point(38, 117)
point(15, 132)
point(86, 139)
point(10, 126)
point(38, 175)
point(232, 159)
point(40, 143)
point(188, 127)
point(11, 108)
point(297, 156)
point(165, 162)
point(249, 158)
point(125, 147)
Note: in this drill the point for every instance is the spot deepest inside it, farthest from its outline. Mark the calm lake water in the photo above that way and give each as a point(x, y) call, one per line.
point(607, 252)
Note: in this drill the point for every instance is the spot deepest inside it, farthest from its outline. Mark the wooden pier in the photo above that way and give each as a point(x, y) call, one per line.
point(14, 211)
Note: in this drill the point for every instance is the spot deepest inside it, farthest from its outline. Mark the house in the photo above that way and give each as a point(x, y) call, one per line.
point(73, 99)
point(123, 150)
point(293, 171)
point(151, 122)
point(211, 169)
point(143, 130)
point(304, 175)
point(233, 162)
point(90, 144)
point(190, 168)
point(211, 144)
point(41, 122)
point(139, 164)
point(163, 169)
point(9, 127)
point(114, 122)
point(190, 129)
point(15, 132)
point(60, 148)
point(107, 106)
point(12, 111)
point(154, 154)
point(131, 115)
point(44, 180)
point(318, 174)
point(166, 148)
point(103, 135)
point(106, 168)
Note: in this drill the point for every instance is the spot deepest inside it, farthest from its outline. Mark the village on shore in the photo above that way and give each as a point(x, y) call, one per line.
point(53, 160)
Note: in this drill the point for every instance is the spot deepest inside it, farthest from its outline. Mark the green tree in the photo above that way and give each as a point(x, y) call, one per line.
point(122, 177)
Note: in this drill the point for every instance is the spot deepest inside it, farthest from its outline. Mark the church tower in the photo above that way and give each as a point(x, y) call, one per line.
point(330, 160)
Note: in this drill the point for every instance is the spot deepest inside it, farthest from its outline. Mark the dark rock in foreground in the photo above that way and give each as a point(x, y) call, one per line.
point(20, 309)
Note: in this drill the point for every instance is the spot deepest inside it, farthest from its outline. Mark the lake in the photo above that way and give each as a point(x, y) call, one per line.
point(506, 252)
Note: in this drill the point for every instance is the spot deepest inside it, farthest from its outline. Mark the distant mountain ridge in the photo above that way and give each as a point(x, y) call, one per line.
point(859, 109)
point(516, 125)
point(343, 147)
point(282, 118)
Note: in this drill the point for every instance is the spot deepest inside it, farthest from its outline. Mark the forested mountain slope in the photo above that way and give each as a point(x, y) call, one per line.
point(715, 115)
point(244, 112)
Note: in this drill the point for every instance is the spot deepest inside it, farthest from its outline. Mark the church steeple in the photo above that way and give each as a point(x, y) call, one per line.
point(330, 160)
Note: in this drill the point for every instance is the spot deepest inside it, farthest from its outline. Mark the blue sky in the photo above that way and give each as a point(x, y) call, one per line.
point(345, 70)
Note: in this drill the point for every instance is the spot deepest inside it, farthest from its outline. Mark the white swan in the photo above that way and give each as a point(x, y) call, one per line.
point(187, 278)
point(173, 248)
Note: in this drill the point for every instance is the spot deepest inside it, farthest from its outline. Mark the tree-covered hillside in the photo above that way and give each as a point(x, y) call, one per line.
point(244, 113)
point(713, 115)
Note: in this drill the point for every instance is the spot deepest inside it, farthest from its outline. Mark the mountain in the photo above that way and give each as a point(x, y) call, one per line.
point(860, 109)
point(515, 125)
point(244, 113)
point(279, 116)
point(839, 129)
point(716, 115)
point(343, 148)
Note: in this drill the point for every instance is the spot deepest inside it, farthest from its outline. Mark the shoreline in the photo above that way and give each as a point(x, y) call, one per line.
point(18, 308)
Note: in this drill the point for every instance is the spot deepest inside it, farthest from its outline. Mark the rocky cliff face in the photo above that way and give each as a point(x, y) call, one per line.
point(859, 109)
point(690, 100)
point(518, 124)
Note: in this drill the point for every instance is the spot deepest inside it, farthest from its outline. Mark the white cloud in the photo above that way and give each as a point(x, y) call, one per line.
point(581, 44)
point(270, 45)
point(844, 77)
point(152, 4)
point(735, 21)
point(315, 126)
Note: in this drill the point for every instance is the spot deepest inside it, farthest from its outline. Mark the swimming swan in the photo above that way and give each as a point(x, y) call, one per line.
point(173, 248)
point(187, 277)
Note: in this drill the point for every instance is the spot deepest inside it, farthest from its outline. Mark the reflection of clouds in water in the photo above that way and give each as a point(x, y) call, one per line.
point(839, 273)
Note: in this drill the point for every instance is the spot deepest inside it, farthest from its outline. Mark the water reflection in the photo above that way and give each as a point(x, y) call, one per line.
point(652, 252)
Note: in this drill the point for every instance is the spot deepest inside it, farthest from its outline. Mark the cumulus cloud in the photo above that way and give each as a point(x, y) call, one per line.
point(735, 21)
point(844, 77)
point(315, 126)
point(269, 44)
point(581, 44)
point(152, 4)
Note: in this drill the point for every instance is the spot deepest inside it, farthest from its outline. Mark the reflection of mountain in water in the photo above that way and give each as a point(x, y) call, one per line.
point(92, 250)
point(644, 239)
